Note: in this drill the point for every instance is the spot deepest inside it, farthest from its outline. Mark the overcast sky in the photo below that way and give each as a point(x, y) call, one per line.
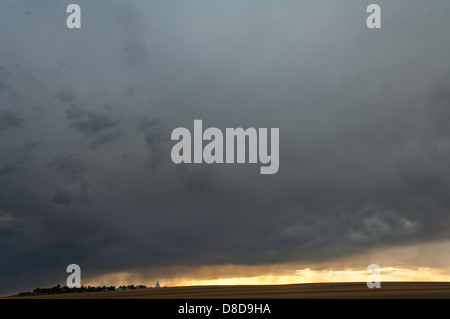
point(86, 116)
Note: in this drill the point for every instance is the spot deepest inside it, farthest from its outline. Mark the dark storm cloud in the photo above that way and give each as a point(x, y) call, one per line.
point(363, 117)
point(27, 148)
point(7, 169)
point(9, 120)
point(71, 167)
point(63, 197)
point(194, 179)
point(130, 91)
point(64, 97)
point(89, 122)
point(70, 197)
point(157, 139)
point(106, 137)
point(130, 22)
point(154, 132)
point(3, 86)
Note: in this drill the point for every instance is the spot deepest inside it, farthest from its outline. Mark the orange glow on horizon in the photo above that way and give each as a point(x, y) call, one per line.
point(300, 276)
point(322, 276)
point(424, 262)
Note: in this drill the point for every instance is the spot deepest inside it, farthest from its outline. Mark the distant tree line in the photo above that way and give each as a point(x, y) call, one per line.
point(64, 290)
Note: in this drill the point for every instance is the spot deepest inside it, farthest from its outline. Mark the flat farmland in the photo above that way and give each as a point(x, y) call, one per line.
point(389, 290)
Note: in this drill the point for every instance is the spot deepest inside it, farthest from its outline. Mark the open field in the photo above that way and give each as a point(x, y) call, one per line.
point(318, 290)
